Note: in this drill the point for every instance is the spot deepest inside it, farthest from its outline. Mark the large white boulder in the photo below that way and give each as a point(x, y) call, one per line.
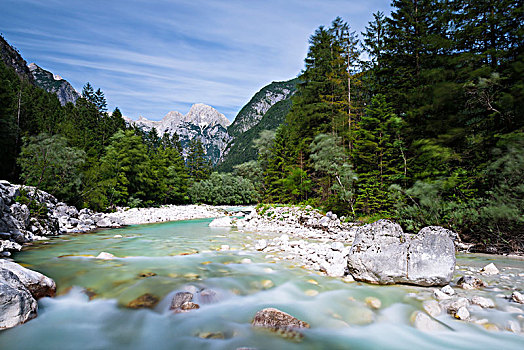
point(17, 305)
point(383, 254)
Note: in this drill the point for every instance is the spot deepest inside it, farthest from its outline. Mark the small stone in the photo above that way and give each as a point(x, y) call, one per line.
point(144, 301)
point(192, 276)
point(338, 246)
point(117, 236)
point(457, 304)
point(266, 284)
point(261, 244)
point(279, 322)
point(439, 295)
point(462, 313)
point(489, 269)
point(448, 290)
point(470, 282)
point(425, 323)
point(224, 247)
point(146, 274)
point(105, 256)
point(513, 326)
point(179, 299)
point(373, 302)
point(211, 335)
point(189, 305)
point(311, 292)
point(491, 327)
point(517, 297)
point(245, 261)
point(482, 302)
point(432, 308)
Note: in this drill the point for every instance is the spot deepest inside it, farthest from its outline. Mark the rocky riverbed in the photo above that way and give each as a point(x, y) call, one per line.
point(27, 215)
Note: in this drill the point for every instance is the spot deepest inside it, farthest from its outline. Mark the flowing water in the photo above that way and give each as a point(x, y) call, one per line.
point(161, 259)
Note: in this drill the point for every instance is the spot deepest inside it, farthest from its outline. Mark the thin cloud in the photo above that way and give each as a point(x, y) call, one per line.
point(150, 57)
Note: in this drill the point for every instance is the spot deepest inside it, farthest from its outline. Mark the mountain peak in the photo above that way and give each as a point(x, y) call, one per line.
point(202, 114)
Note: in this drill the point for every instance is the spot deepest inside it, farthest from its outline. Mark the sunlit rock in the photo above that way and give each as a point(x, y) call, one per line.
point(279, 322)
point(482, 302)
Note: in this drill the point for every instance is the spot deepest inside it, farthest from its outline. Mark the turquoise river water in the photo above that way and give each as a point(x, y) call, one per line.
point(90, 310)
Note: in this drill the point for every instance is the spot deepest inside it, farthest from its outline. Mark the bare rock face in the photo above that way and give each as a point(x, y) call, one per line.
point(383, 254)
point(37, 284)
point(279, 322)
point(17, 305)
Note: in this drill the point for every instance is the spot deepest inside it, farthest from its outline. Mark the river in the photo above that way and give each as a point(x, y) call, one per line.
point(161, 259)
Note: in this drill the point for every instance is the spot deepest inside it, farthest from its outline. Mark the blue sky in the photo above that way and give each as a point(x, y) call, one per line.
point(153, 56)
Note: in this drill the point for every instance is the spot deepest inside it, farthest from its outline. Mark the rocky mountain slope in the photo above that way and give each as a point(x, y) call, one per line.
point(54, 83)
point(12, 58)
point(259, 104)
point(265, 111)
point(202, 121)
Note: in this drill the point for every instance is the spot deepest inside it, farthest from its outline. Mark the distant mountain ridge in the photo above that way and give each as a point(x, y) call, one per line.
point(266, 110)
point(54, 83)
point(202, 121)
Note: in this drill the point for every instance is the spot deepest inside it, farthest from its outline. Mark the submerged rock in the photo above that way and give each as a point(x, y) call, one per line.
point(144, 301)
point(432, 307)
point(37, 284)
point(373, 302)
point(17, 305)
point(383, 254)
point(425, 323)
point(279, 322)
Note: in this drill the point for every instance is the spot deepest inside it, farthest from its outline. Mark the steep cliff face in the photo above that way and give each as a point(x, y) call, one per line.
point(259, 104)
point(11, 57)
point(54, 84)
point(202, 121)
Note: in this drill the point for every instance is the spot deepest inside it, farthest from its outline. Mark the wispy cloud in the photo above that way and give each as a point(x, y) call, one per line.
point(150, 57)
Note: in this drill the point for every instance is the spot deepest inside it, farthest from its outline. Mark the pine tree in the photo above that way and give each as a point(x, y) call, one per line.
point(199, 167)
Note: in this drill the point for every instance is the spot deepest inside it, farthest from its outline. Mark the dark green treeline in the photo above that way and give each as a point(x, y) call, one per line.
point(428, 129)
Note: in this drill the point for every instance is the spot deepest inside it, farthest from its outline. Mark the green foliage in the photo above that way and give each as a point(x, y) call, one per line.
point(198, 166)
point(48, 163)
point(223, 189)
point(37, 209)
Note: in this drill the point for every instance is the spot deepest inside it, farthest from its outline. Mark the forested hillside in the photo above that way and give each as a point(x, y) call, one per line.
point(428, 130)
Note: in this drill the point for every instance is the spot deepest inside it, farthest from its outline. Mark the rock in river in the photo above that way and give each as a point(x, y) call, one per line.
point(144, 301)
point(36, 283)
point(17, 305)
point(279, 322)
point(383, 254)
